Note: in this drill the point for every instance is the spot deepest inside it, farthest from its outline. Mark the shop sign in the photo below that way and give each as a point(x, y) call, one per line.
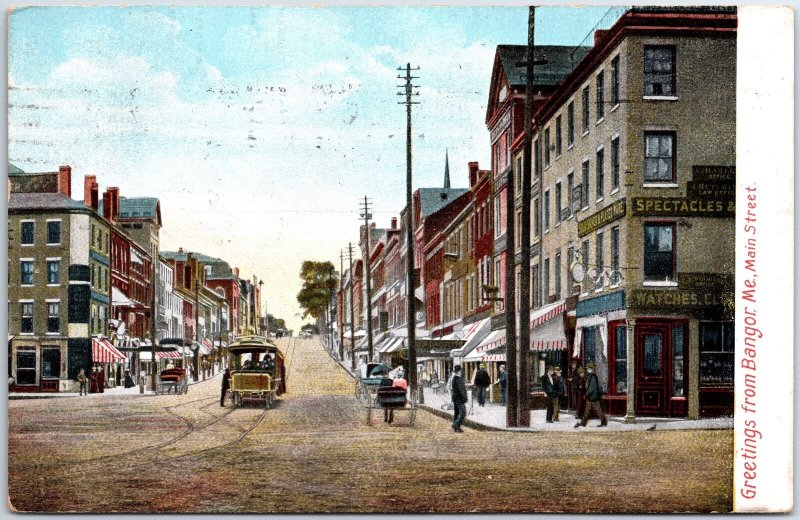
point(706, 281)
point(599, 219)
point(502, 124)
point(683, 207)
point(670, 299)
point(600, 304)
point(714, 174)
point(710, 190)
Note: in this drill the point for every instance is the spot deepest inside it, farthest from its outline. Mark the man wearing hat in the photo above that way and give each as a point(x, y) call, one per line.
point(558, 391)
point(549, 391)
point(458, 391)
point(482, 382)
point(593, 395)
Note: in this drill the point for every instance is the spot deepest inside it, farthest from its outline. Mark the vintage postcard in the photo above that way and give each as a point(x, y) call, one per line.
point(382, 259)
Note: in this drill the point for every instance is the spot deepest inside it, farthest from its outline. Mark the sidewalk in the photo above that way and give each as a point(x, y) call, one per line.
point(493, 417)
point(115, 391)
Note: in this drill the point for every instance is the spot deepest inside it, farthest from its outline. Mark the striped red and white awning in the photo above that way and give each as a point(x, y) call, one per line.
point(168, 355)
point(546, 313)
point(492, 341)
point(495, 358)
point(207, 343)
point(542, 345)
point(104, 352)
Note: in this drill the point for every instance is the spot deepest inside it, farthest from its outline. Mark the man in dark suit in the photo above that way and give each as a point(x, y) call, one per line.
point(593, 396)
point(549, 391)
point(458, 390)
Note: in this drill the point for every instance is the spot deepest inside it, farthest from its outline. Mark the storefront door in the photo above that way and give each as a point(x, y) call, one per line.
point(652, 369)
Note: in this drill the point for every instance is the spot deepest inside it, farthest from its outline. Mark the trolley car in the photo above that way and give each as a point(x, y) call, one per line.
point(258, 371)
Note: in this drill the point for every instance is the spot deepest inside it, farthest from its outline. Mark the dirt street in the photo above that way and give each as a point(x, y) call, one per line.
point(314, 452)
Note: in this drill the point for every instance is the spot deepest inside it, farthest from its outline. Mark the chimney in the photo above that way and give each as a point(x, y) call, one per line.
point(94, 196)
point(599, 34)
point(394, 222)
point(107, 205)
point(65, 180)
point(473, 173)
point(114, 194)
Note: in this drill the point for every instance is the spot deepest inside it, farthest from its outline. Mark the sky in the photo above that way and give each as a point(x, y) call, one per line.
point(260, 129)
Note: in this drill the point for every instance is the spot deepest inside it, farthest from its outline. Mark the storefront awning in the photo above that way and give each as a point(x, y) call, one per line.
point(105, 352)
point(202, 350)
point(495, 340)
point(117, 298)
point(220, 344)
point(474, 333)
point(396, 345)
point(168, 355)
point(360, 333)
point(546, 313)
point(208, 345)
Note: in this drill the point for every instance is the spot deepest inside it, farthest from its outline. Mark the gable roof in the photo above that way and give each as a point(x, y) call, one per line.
point(43, 201)
point(432, 200)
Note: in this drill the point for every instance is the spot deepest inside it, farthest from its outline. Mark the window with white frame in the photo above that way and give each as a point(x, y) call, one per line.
point(615, 163)
point(600, 95)
point(26, 321)
point(26, 272)
point(26, 235)
point(599, 174)
point(53, 272)
point(53, 317)
point(659, 157)
point(53, 232)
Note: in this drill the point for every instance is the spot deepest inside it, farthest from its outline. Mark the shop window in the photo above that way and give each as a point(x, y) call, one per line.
point(26, 323)
point(26, 367)
point(54, 232)
point(659, 70)
point(51, 363)
point(652, 355)
point(716, 353)
point(659, 252)
point(659, 157)
point(53, 272)
point(26, 272)
point(589, 345)
point(26, 233)
point(621, 360)
point(53, 320)
point(678, 383)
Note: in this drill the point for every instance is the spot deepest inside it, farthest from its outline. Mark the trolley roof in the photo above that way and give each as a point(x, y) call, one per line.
point(251, 343)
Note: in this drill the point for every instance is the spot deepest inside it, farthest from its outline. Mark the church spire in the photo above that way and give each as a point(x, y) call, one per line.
point(446, 171)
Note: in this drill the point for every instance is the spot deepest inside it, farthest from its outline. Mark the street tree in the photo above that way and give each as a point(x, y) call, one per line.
point(319, 285)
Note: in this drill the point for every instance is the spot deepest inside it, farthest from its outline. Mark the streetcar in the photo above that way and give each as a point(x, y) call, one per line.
point(258, 371)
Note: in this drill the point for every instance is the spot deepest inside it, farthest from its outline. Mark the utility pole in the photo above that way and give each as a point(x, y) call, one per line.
point(366, 215)
point(330, 308)
point(408, 92)
point(524, 401)
point(510, 300)
point(352, 312)
point(340, 310)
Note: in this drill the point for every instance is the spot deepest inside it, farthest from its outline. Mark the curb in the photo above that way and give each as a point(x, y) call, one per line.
point(469, 423)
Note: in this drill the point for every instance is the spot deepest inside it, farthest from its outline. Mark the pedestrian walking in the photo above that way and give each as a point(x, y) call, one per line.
point(459, 392)
point(226, 385)
point(593, 395)
point(482, 382)
point(579, 381)
point(549, 391)
point(82, 381)
point(502, 379)
point(388, 413)
point(558, 389)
